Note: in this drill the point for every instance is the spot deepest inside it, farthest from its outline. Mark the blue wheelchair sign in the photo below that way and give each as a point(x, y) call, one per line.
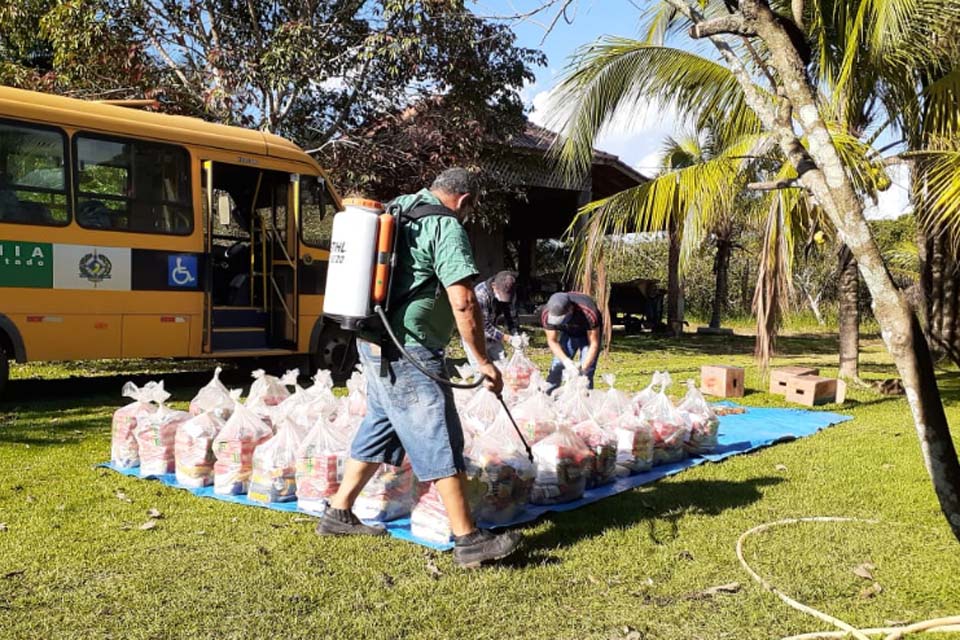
point(182, 271)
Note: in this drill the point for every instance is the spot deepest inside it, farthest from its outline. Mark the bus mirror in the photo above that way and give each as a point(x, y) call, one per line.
point(223, 209)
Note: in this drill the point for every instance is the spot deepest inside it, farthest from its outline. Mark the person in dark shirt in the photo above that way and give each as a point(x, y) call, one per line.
point(497, 299)
point(573, 325)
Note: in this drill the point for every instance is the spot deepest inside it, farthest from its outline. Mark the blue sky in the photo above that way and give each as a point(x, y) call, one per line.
point(638, 137)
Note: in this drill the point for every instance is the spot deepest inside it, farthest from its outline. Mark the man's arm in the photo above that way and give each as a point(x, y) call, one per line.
point(593, 335)
point(469, 318)
point(553, 342)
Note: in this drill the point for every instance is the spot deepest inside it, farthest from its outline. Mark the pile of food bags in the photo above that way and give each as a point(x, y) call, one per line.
point(499, 475)
point(670, 430)
point(701, 419)
point(213, 397)
point(268, 392)
point(536, 416)
point(602, 444)
point(124, 452)
point(234, 447)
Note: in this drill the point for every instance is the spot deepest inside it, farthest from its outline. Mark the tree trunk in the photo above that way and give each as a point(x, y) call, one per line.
point(849, 316)
point(814, 303)
point(822, 172)
point(721, 268)
point(745, 288)
point(674, 313)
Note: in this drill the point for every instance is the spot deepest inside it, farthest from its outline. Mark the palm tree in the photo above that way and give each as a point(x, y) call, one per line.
point(764, 94)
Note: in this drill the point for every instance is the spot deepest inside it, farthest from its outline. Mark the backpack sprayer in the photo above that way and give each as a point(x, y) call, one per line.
point(360, 276)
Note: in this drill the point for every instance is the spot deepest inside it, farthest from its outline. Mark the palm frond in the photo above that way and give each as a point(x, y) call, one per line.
point(941, 169)
point(615, 76)
point(942, 117)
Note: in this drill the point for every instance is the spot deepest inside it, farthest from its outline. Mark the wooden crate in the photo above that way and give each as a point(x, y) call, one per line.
point(722, 381)
point(779, 377)
point(814, 390)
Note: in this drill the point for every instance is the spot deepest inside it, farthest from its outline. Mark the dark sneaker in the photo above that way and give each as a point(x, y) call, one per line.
point(342, 522)
point(474, 549)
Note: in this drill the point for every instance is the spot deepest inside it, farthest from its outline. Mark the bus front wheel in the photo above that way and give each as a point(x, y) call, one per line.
point(4, 370)
point(336, 352)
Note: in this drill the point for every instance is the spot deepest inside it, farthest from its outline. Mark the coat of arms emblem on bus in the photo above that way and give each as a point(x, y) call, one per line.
point(95, 267)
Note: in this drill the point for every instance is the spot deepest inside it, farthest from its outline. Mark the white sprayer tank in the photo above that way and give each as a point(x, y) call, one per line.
point(352, 255)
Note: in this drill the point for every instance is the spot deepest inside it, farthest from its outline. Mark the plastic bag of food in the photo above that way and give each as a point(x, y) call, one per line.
point(612, 403)
point(428, 518)
point(267, 392)
point(389, 494)
point(536, 416)
point(499, 474)
point(603, 445)
point(669, 428)
point(573, 402)
point(297, 410)
point(273, 476)
point(563, 463)
point(124, 452)
point(357, 393)
point(157, 435)
point(193, 449)
point(519, 368)
point(648, 393)
point(701, 419)
point(634, 443)
point(234, 447)
point(321, 459)
point(484, 406)
point(213, 397)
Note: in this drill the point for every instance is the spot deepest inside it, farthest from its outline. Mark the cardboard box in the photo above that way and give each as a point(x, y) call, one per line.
point(780, 377)
point(814, 390)
point(722, 381)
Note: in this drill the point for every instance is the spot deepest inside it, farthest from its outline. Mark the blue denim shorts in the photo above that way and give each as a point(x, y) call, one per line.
point(407, 412)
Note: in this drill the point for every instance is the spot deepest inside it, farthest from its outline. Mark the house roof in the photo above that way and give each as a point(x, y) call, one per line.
point(612, 173)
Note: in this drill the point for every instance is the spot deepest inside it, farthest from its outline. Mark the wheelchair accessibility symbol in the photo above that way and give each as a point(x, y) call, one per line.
point(182, 271)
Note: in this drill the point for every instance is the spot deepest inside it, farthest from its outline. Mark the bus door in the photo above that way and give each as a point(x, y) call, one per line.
point(250, 289)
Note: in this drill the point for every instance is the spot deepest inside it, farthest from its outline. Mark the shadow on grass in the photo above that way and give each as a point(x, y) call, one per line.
point(695, 344)
point(660, 505)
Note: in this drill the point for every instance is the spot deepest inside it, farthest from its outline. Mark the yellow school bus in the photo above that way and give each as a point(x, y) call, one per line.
point(129, 234)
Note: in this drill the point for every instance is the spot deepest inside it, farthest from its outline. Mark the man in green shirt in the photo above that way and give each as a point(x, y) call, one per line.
point(408, 414)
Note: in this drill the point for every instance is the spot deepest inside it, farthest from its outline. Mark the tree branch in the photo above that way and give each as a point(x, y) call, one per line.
point(732, 25)
point(775, 185)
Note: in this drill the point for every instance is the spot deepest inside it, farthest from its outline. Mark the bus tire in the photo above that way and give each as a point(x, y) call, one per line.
point(336, 352)
point(4, 369)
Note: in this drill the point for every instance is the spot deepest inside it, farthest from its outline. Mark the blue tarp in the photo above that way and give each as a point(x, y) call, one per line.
point(739, 433)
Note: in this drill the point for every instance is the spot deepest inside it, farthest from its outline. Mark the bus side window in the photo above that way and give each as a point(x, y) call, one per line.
point(32, 175)
point(133, 185)
point(316, 212)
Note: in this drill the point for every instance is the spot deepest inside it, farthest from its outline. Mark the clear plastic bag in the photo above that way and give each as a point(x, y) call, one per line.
point(634, 443)
point(573, 402)
point(701, 419)
point(612, 403)
point(648, 393)
point(462, 397)
point(357, 393)
point(563, 463)
point(234, 447)
point(669, 428)
point(267, 392)
point(484, 406)
point(213, 397)
point(273, 476)
point(157, 435)
point(321, 459)
point(428, 518)
point(389, 495)
point(603, 445)
point(519, 369)
point(193, 449)
point(536, 416)
point(124, 452)
point(499, 475)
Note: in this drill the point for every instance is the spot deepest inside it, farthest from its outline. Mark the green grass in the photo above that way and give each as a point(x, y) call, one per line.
point(74, 563)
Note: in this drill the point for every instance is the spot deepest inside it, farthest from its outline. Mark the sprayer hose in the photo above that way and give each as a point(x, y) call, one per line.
point(416, 363)
point(947, 624)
